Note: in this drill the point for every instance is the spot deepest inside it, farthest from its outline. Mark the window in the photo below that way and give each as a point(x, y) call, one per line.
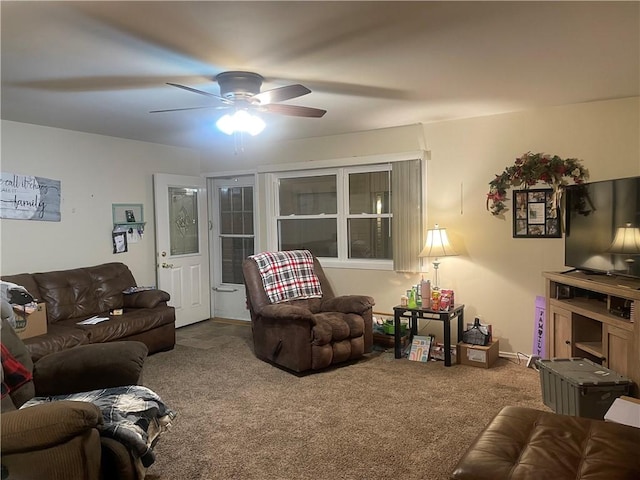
point(236, 235)
point(369, 217)
point(342, 213)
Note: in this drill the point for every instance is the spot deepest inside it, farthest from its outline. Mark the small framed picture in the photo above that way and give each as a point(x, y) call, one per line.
point(130, 216)
point(119, 242)
point(534, 215)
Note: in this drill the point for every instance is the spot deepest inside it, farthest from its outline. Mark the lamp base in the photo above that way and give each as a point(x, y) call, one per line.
point(435, 286)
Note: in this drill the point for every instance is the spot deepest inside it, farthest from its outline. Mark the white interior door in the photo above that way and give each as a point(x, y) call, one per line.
point(182, 250)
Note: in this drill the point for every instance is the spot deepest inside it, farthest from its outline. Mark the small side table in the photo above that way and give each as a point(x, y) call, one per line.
point(413, 314)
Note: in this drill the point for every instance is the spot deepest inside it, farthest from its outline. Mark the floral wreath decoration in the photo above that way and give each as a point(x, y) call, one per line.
point(530, 169)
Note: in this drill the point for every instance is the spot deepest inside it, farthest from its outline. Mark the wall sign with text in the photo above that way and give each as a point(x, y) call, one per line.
point(534, 214)
point(26, 197)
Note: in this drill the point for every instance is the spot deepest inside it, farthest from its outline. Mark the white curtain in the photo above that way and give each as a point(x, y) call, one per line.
point(406, 206)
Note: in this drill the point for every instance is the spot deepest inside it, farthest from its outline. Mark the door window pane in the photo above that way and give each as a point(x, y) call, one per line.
point(183, 221)
point(369, 192)
point(236, 211)
point(316, 235)
point(234, 251)
point(369, 238)
point(308, 195)
point(236, 231)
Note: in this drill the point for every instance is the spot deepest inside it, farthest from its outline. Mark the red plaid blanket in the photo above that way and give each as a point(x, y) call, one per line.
point(14, 373)
point(288, 275)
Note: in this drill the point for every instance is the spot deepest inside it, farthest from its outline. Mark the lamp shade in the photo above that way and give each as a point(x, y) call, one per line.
point(437, 244)
point(626, 241)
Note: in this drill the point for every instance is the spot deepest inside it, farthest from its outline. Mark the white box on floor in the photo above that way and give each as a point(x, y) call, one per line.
point(625, 410)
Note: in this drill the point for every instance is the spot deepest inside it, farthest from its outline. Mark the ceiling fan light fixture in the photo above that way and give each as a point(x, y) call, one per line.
point(240, 121)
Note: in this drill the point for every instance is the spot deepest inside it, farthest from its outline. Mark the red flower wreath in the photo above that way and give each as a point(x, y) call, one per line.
point(530, 169)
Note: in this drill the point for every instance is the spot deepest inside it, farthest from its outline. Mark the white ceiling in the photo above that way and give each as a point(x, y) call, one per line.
point(100, 67)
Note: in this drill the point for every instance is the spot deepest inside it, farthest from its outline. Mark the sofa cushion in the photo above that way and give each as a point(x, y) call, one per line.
point(83, 291)
point(335, 324)
point(118, 327)
point(58, 338)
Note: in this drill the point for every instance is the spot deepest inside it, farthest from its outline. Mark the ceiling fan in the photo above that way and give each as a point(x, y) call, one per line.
point(241, 91)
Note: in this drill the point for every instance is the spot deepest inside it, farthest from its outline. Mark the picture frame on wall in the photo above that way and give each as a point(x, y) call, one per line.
point(534, 215)
point(119, 242)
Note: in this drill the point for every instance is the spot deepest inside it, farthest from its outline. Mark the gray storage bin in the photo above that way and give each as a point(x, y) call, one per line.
point(580, 387)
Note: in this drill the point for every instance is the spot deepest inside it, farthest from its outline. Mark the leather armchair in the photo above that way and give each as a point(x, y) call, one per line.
point(308, 334)
point(60, 440)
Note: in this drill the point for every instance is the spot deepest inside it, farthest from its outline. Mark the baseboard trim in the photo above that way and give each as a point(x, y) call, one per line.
point(231, 321)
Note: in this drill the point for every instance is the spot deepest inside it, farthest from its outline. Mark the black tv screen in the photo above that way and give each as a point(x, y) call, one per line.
point(594, 213)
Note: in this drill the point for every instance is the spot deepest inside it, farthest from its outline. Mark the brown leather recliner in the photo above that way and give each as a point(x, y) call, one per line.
point(60, 440)
point(308, 334)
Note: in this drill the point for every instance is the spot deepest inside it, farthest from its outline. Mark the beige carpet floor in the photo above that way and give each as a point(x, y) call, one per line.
point(379, 418)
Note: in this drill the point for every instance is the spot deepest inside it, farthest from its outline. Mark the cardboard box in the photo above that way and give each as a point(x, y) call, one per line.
point(31, 325)
point(477, 355)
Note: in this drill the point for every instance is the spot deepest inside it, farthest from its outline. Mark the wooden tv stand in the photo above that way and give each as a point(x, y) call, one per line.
point(587, 318)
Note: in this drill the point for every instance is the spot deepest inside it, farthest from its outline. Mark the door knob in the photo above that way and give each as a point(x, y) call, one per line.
point(167, 265)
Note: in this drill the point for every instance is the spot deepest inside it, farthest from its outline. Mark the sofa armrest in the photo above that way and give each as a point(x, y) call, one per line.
point(89, 367)
point(145, 299)
point(286, 312)
point(46, 425)
point(348, 304)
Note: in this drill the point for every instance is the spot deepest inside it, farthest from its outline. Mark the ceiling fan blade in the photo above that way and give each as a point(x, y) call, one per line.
point(281, 94)
point(201, 92)
point(293, 110)
point(188, 108)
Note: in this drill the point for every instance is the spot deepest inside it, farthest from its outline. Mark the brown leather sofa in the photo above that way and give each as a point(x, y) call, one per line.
point(309, 334)
point(61, 440)
point(528, 444)
point(77, 294)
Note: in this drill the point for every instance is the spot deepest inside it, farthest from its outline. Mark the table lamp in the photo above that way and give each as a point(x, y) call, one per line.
point(626, 242)
point(436, 246)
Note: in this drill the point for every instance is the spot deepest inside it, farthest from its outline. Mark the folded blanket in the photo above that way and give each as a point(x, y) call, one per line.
point(288, 275)
point(133, 415)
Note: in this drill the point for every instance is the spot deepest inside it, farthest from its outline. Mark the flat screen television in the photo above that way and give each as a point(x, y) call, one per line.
point(594, 214)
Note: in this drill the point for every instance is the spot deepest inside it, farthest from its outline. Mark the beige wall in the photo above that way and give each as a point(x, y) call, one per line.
point(95, 171)
point(496, 277)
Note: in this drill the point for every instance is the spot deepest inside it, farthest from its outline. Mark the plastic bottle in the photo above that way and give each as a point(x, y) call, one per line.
point(412, 299)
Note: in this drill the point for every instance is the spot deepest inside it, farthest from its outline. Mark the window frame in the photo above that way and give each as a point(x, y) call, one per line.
point(342, 216)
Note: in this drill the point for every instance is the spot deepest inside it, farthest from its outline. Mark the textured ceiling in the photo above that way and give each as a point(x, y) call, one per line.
point(100, 67)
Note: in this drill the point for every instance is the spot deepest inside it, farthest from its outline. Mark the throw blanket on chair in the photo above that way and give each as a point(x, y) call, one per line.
point(288, 275)
point(133, 415)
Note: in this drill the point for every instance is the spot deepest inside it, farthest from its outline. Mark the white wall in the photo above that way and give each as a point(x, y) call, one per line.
point(496, 277)
point(95, 171)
